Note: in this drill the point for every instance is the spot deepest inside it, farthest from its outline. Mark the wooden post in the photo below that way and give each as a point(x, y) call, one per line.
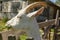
point(24, 4)
point(5, 35)
point(56, 24)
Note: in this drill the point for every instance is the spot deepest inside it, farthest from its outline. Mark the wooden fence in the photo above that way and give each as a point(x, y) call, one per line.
point(9, 35)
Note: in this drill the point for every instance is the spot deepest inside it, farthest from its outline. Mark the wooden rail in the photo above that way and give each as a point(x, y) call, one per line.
point(9, 35)
point(47, 23)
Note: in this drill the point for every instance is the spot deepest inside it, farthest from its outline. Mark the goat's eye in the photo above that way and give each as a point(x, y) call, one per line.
point(19, 17)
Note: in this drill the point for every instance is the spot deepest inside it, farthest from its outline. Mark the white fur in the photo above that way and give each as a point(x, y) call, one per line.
point(23, 21)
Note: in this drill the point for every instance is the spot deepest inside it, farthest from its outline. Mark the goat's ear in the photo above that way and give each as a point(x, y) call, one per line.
point(36, 13)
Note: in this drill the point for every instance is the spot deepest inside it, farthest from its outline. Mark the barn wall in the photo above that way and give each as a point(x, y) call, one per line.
point(51, 12)
point(12, 7)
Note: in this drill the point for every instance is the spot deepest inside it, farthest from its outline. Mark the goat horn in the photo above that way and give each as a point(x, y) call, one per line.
point(35, 4)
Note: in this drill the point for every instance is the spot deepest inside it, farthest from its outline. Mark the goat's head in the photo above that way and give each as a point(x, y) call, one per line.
point(23, 17)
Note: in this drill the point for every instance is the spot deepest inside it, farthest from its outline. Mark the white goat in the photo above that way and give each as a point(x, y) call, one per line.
point(24, 21)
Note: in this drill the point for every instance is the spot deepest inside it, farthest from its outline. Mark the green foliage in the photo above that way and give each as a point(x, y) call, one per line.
point(2, 26)
point(5, 20)
point(23, 37)
point(58, 2)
